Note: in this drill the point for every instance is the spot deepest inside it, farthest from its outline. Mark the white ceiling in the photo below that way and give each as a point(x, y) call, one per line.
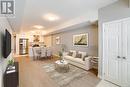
point(30, 12)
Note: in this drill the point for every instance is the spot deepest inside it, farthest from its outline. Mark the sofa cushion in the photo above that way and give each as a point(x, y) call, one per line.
point(68, 57)
point(83, 54)
point(74, 53)
point(78, 55)
point(70, 53)
point(78, 60)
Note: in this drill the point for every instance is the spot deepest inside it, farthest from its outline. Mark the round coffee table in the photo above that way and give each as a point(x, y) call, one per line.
point(62, 66)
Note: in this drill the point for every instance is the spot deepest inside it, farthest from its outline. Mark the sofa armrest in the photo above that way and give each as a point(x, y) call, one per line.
point(88, 62)
point(88, 58)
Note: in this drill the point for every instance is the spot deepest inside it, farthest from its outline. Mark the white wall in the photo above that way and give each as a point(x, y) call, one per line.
point(115, 11)
point(3, 62)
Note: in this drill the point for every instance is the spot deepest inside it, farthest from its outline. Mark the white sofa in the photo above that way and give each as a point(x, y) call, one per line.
point(86, 64)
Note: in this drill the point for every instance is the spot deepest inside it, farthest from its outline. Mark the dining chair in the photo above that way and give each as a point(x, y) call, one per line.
point(49, 53)
point(36, 52)
point(43, 52)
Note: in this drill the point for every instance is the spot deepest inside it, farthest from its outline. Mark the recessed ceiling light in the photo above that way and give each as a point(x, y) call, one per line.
point(51, 17)
point(38, 26)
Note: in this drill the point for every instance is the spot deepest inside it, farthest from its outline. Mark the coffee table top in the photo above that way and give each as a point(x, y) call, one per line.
point(61, 62)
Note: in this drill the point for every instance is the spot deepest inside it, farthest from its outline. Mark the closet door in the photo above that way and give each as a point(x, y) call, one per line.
point(126, 53)
point(112, 51)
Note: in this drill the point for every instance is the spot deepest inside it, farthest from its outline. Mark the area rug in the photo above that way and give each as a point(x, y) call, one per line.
point(64, 79)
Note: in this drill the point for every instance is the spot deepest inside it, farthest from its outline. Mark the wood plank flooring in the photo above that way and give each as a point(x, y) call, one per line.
point(32, 75)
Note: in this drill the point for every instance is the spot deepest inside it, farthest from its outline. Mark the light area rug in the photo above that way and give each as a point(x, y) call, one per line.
point(75, 77)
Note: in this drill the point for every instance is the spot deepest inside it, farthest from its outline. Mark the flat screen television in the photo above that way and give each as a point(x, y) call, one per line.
point(7, 44)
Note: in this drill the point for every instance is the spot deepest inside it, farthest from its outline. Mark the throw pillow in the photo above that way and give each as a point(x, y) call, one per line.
point(85, 57)
point(83, 54)
point(74, 53)
point(78, 55)
point(70, 53)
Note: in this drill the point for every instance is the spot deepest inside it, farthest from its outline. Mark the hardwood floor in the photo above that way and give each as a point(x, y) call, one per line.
point(31, 75)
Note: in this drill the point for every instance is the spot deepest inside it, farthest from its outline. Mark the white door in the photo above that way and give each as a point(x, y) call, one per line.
point(125, 74)
point(112, 51)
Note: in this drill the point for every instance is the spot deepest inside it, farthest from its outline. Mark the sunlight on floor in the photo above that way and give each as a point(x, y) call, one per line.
point(106, 84)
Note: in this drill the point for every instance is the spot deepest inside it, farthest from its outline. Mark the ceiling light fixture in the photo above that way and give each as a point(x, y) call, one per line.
point(38, 26)
point(51, 17)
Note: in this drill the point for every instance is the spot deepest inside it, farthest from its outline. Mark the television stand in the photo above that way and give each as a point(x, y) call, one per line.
point(11, 76)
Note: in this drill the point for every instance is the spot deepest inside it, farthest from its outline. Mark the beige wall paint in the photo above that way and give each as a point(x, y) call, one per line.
point(67, 39)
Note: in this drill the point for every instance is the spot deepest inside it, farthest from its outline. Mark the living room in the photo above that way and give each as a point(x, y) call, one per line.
point(78, 45)
point(65, 43)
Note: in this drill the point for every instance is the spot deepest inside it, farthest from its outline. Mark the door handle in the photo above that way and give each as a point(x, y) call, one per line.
point(118, 57)
point(123, 57)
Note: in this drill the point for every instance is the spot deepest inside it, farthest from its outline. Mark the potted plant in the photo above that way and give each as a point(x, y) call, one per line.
point(60, 55)
point(10, 63)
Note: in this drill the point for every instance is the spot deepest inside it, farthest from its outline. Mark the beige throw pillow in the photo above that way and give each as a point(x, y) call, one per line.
point(70, 53)
point(74, 53)
point(78, 55)
point(83, 54)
